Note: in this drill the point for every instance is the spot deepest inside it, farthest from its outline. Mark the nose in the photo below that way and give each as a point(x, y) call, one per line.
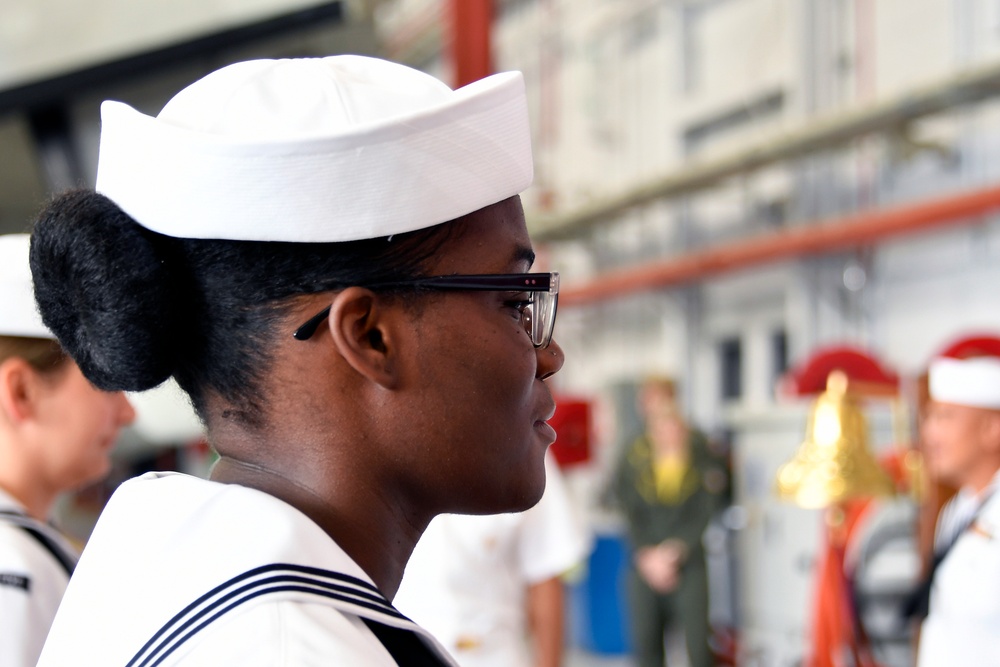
point(550, 360)
point(124, 411)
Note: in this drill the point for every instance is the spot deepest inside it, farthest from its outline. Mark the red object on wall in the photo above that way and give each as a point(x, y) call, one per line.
point(572, 426)
point(864, 372)
point(469, 44)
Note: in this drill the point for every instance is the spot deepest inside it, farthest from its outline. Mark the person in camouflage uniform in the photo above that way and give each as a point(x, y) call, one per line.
point(669, 485)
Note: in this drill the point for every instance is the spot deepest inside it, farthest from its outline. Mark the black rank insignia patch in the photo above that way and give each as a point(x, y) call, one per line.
point(15, 580)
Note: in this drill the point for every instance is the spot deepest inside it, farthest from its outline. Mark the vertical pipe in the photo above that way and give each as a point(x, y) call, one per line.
point(470, 46)
point(865, 33)
point(549, 56)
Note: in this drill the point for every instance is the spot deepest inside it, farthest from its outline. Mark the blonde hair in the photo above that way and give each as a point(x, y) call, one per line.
point(663, 383)
point(43, 354)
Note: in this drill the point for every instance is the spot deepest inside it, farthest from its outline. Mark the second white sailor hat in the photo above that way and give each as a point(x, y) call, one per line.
point(973, 382)
point(18, 313)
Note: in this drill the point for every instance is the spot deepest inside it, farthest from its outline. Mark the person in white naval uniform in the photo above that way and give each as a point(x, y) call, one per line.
point(489, 588)
point(330, 257)
point(56, 435)
point(961, 436)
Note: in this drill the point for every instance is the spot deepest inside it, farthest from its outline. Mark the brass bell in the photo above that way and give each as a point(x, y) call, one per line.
point(834, 463)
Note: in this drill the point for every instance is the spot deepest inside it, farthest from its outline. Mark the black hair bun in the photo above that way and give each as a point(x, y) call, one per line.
point(104, 289)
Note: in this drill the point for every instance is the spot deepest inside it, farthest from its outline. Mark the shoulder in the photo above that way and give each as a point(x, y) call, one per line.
point(634, 451)
point(991, 512)
point(700, 445)
point(21, 553)
point(16, 548)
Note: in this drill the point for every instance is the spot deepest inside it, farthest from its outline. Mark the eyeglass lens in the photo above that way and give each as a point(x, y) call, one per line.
point(539, 318)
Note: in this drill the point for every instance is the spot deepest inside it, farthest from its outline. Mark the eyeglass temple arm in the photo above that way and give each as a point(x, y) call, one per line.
point(307, 330)
point(527, 282)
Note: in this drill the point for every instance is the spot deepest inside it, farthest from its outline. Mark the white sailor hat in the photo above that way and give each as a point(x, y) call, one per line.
point(973, 382)
point(18, 313)
point(316, 150)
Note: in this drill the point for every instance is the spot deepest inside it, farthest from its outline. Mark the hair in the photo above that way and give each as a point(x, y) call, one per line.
point(134, 307)
point(43, 354)
point(663, 383)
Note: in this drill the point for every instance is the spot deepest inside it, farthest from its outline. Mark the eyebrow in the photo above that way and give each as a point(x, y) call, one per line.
point(523, 254)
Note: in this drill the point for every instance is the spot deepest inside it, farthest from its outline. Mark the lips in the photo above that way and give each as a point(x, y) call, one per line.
point(548, 410)
point(547, 433)
point(547, 413)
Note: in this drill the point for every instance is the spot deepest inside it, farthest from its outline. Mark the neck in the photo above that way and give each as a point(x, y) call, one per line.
point(980, 479)
point(376, 535)
point(37, 501)
point(20, 480)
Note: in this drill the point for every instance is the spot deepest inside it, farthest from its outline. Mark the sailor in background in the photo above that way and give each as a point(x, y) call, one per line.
point(489, 587)
point(961, 436)
point(56, 435)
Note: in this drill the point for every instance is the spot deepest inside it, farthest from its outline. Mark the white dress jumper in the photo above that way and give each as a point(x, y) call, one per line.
point(35, 565)
point(185, 571)
point(963, 624)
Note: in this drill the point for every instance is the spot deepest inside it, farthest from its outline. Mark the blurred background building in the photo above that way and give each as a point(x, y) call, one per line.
point(730, 188)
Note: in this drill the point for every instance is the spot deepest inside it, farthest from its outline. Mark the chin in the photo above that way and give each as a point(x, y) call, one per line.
point(98, 471)
point(510, 498)
point(529, 495)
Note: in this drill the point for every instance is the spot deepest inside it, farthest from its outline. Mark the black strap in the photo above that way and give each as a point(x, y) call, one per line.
point(64, 559)
point(405, 647)
point(917, 605)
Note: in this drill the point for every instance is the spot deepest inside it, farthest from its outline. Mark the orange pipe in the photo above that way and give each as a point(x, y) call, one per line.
point(469, 46)
point(815, 239)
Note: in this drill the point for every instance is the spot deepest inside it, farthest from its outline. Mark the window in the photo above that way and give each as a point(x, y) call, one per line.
point(731, 366)
point(779, 355)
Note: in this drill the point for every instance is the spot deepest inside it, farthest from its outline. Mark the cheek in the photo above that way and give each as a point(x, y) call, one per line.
point(87, 427)
point(493, 362)
point(479, 403)
point(949, 444)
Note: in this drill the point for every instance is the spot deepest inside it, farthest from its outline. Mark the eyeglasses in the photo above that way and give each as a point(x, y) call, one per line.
point(538, 311)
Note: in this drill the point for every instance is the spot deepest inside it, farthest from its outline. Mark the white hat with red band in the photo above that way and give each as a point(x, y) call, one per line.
point(974, 382)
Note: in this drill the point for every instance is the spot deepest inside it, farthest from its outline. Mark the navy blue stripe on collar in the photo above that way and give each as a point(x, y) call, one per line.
point(229, 595)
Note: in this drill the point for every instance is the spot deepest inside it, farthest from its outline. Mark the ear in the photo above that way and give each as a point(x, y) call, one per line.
point(364, 330)
point(17, 389)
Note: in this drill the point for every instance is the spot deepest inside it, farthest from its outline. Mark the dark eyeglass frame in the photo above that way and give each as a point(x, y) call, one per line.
point(542, 289)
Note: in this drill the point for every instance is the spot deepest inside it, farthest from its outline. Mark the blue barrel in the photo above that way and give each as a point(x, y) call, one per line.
point(598, 610)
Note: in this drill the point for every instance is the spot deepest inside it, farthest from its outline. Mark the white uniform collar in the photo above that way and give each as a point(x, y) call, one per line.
point(212, 545)
point(968, 495)
point(9, 503)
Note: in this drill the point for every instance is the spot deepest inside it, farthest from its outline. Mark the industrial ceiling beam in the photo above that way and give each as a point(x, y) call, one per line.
point(54, 90)
point(822, 133)
point(812, 239)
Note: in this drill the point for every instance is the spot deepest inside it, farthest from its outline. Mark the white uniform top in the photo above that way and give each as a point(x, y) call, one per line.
point(466, 580)
point(963, 623)
point(185, 571)
point(32, 582)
